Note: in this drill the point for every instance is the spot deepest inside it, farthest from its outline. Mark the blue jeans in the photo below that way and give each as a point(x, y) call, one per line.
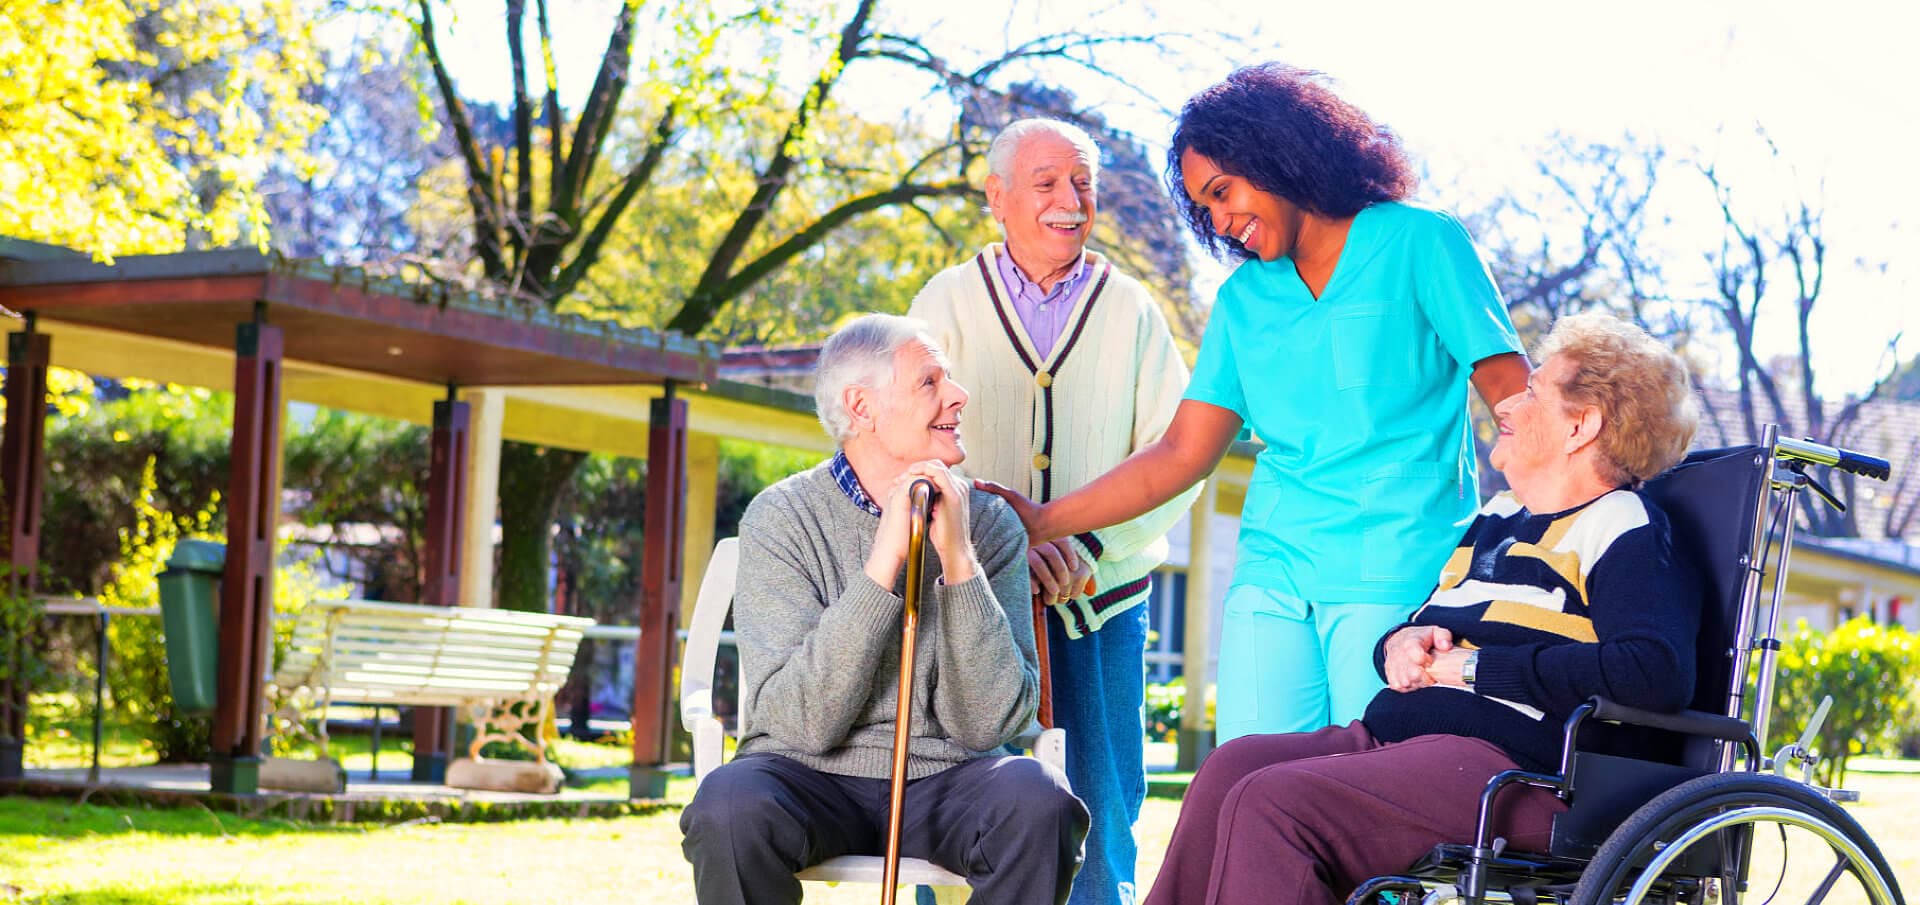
point(1099, 698)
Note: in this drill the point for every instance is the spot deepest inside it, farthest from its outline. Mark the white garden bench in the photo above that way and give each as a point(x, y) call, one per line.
point(502, 666)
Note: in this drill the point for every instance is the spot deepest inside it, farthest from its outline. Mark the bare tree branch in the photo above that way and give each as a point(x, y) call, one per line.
point(708, 293)
point(596, 117)
point(636, 179)
point(522, 131)
point(806, 238)
point(486, 223)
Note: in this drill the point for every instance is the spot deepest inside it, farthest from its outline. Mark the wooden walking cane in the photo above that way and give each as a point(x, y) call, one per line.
point(920, 499)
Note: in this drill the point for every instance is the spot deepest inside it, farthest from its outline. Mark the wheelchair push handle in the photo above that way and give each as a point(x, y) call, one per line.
point(1846, 460)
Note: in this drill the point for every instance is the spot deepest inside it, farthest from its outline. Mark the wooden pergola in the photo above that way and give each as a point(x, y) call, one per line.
point(284, 320)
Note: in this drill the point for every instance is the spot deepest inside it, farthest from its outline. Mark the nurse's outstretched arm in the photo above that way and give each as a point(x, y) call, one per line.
point(1195, 442)
point(1498, 376)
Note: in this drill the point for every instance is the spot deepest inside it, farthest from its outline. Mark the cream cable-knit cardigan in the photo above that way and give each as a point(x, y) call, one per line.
point(1047, 426)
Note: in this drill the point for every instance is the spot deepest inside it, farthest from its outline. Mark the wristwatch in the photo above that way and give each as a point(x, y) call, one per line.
point(1469, 669)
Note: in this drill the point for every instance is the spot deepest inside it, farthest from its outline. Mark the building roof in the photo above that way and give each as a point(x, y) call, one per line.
point(344, 319)
point(1887, 428)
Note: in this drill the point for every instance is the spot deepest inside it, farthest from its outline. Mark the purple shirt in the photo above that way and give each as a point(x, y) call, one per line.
point(1044, 314)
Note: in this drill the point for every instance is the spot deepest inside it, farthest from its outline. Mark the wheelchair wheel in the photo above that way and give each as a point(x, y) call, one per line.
point(1739, 839)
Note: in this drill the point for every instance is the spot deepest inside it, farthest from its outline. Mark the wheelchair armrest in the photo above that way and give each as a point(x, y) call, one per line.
point(1686, 722)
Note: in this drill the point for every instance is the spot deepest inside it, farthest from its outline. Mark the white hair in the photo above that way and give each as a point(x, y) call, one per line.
point(1007, 144)
point(858, 354)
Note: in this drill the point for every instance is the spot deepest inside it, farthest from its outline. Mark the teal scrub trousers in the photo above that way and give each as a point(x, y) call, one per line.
point(1293, 665)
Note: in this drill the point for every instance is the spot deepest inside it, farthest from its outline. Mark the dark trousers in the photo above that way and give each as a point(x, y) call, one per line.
point(1007, 824)
point(1276, 819)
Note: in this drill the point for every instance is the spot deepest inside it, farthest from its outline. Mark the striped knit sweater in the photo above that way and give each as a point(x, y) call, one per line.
point(1561, 606)
point(1045, 426)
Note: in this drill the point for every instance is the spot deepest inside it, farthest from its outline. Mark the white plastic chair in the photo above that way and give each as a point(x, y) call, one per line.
point(696, 713)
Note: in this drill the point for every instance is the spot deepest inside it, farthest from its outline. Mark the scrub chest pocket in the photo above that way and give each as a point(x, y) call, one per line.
point(1369, 345)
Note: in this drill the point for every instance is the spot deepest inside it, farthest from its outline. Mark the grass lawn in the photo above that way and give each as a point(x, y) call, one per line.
point(61, 852)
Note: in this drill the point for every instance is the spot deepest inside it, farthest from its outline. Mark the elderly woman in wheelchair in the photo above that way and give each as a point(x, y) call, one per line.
point(1566, 589)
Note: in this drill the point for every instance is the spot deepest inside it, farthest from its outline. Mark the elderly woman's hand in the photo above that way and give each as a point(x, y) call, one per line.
point(1409, 653)
point(1447, 667)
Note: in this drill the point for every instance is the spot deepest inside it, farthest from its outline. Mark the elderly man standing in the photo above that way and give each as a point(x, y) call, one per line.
point(1075, 370)
point(818, 620)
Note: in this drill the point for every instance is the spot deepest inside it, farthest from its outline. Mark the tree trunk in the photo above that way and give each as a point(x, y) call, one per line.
point(531, 481)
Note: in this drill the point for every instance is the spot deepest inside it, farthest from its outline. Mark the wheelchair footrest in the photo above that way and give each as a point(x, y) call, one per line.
point(1839, 796)
point(1448, 859)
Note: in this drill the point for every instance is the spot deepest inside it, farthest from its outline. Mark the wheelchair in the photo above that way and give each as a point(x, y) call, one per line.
point(1697, 825)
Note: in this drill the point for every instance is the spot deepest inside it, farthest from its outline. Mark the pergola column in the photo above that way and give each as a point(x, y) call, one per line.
point(1196, 656)
point(487, 418)
point(703, 500)
point(660, 580)
point(446, 499)
point(23, 471)
point(246, 588)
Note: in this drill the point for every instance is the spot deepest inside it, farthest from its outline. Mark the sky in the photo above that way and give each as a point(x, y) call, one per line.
point(1475, 88)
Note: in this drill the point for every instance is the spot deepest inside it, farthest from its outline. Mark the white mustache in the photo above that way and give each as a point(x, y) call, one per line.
point(1064, 220)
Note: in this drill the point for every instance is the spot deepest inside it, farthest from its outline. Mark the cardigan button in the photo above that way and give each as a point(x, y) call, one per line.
point(1044, 379)
point(1041, 462)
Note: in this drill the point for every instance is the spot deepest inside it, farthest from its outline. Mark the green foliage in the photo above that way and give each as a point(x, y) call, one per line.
point(1870, 670)
point(1166, 706)
point(141, 125)
point(1165, 701)
point(137, 673)
point(873, 262)
point(746, 469)
point(22, 668)
point(358, 470)
point(60, 732)
point(99, 439)
point(603, 514)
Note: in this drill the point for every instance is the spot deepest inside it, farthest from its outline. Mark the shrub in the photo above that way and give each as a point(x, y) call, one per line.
point(1165, 702)
point(137, 669)
point(1870, 670)
point(137, 664)
point(22, 667)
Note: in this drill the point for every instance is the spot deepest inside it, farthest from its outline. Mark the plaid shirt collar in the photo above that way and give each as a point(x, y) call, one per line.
point(850, 485)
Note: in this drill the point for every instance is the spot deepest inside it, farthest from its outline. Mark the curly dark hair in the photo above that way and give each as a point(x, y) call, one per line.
point(1281, 128)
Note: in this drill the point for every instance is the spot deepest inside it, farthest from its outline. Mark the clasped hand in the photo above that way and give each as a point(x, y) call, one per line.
point(1421, 655)
point(947, 528)
point(1059, 574)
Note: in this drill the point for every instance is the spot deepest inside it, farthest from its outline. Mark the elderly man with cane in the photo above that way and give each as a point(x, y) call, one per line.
point(818, 618)
point(1075, 371)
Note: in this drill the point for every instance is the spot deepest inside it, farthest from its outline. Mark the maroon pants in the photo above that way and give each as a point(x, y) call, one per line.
point(1305, 817)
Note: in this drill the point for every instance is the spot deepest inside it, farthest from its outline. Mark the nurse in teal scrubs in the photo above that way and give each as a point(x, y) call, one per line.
point(1346, 340)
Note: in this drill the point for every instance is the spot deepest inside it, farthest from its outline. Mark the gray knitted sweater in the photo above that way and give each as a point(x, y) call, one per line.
point(820, 642)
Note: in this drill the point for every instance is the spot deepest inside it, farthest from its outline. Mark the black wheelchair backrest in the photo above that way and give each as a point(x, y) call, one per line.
point(1711, 500)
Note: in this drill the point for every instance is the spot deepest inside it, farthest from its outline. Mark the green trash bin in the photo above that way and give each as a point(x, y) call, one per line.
point(190, 613)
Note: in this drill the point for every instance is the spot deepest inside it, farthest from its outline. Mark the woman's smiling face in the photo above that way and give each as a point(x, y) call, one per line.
point(1265, 224)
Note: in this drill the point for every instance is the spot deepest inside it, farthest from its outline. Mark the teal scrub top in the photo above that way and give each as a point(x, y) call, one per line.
point(1360, 396)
